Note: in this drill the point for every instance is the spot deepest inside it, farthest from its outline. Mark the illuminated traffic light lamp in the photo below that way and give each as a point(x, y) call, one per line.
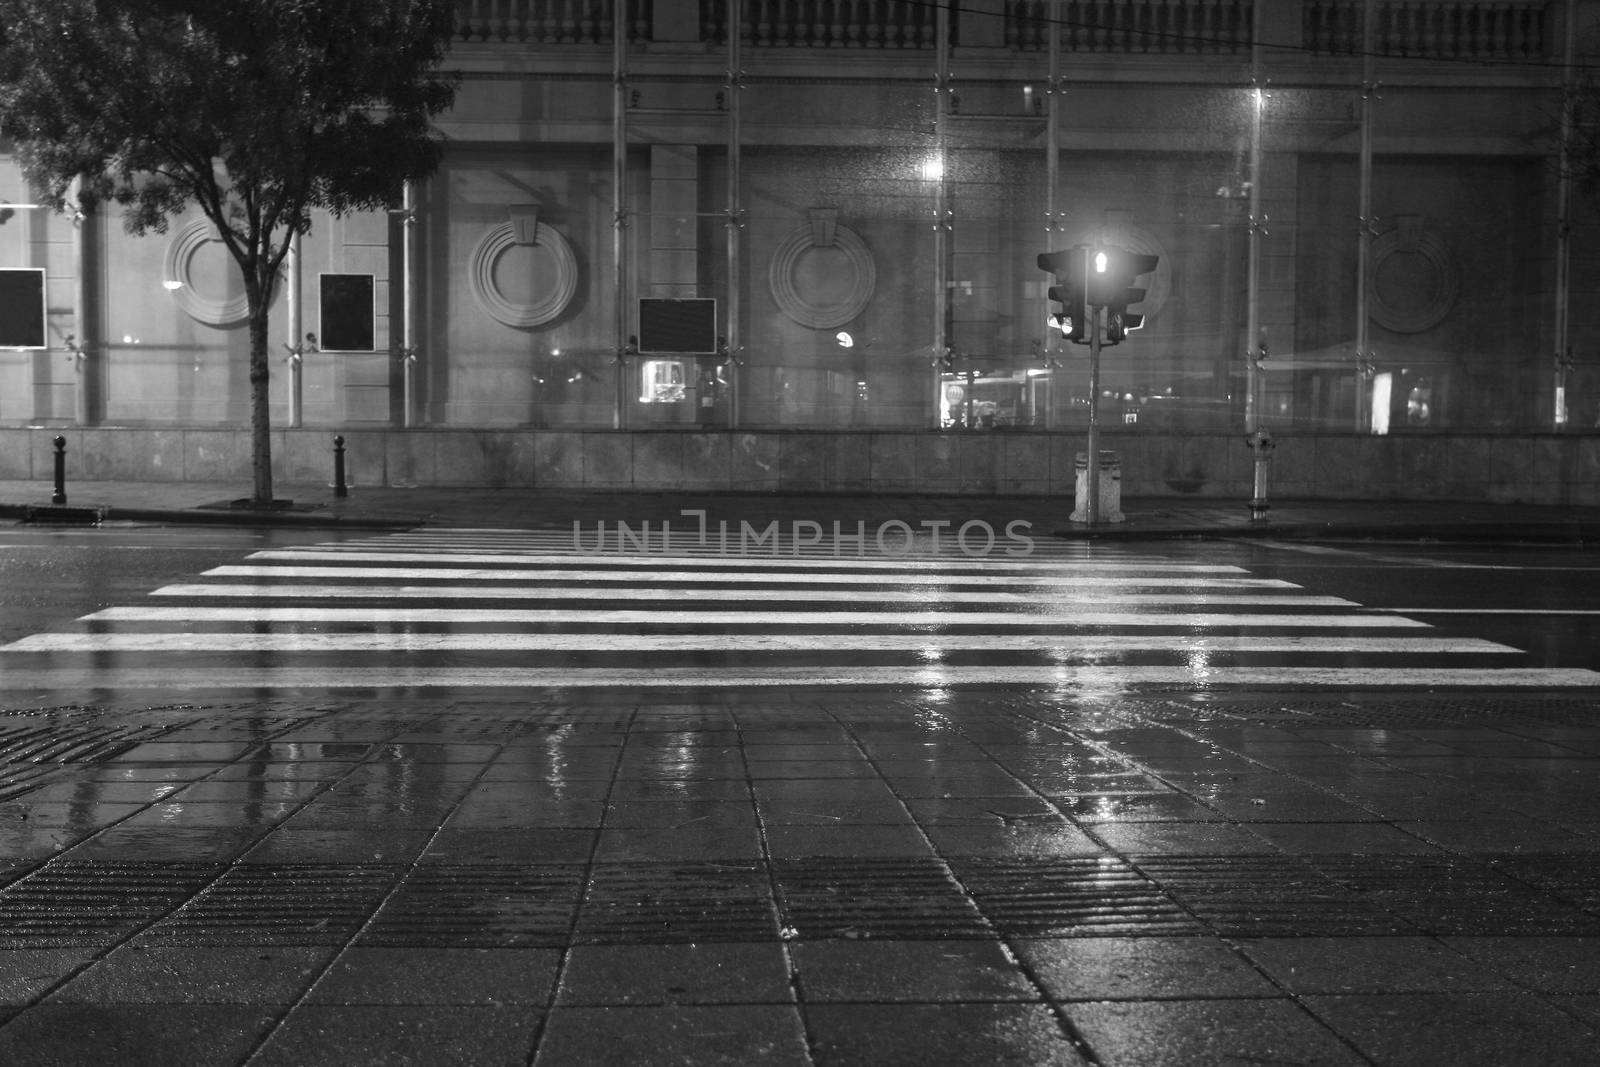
point(1112, 285)
point(1070, 268)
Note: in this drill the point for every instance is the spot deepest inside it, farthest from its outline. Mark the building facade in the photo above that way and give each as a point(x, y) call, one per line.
point(792, 244)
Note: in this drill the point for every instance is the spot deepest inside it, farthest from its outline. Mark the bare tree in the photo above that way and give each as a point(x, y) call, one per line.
point(255, 111)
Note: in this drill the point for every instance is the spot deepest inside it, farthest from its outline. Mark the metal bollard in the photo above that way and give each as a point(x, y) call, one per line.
point(60, 496)
point(339, 486)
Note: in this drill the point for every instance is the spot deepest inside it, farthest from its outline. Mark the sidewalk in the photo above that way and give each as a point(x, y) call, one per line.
point(315, 505)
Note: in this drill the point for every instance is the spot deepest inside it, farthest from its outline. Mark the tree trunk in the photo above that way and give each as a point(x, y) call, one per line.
point(260, 397)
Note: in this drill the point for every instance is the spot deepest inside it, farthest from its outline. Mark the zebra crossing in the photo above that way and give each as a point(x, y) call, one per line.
point(469, 609)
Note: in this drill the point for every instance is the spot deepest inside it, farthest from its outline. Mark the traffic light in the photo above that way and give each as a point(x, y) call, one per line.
point(1111, 284)
point(1070, 291)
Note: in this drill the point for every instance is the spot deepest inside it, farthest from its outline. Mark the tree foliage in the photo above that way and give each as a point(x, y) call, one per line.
point(255, 111)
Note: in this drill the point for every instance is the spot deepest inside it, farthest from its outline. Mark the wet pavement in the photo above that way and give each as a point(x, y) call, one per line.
point(315, 505)
point(831, 878)
point(808, 874)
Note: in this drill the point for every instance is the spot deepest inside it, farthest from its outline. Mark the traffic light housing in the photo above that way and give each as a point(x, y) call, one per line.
point(1070, 268)
point(1112, 286)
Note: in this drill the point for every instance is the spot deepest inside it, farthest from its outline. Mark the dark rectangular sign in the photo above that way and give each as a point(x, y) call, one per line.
point(347, 313)
point(687, 325)
point(22, 311)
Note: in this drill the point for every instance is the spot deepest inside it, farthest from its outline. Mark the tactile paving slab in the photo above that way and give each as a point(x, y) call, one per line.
point(480, 905)
point(261, 904)
point(1268, 896)
point(67, 904)
point(677, 903)
point(1450, 896)
point(907, 899)
point(1071, 897)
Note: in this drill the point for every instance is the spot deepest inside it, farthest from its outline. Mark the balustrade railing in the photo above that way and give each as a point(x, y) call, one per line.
point(1156, 27)
point(893, 24)
point(548, 21)
point(1450, 29)
point(1433, 29)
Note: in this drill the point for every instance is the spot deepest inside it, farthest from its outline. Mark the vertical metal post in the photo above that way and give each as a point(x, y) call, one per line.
point(1255, 350)
point(735, 86)
point(941, 208)
point(410, 271)
point(1093, 472)
point(1563, 279)
point(619, 218)
point(292, 294)
point(1052, 180)
point(340, 487)
point(83, 343)
point(1364, 366)
point(60, 495)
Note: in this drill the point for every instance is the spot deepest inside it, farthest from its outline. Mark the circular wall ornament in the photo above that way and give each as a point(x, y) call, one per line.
point(179, 267)
point(520, 314)
point(856, 275)
point(1413, 282)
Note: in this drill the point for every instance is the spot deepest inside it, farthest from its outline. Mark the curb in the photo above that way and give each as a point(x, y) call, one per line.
point(221, 517)
point(1488, 533)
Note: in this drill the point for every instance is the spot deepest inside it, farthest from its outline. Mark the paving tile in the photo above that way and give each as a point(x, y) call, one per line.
point(134, 1035)
point(1502, 835)
point(846, 841)
point(1029, 838)
point(265, 790)
point(541, 845)
point(1504, 1029)
point(679, 790)
point(881, 1035)
point(696, 973)
point(478, 906)
point(152, 974)
point(53, 814)
point(982, 811)
point(1341, 837)
point(1181, 839)
point(319, 1035)
point(1585, 1008)
point(691, 841)
point(676, 1034)
point(823, 811)
point(253, 816)
point(1095, 808)
point(730, 814)
point(1343, 965)
point(1544, 964)
point(1182, 1033)
point(882, 971)
point(479, 813)
point(25, 973)
point(442, 976)
point(1141, 968)
point(288, 845)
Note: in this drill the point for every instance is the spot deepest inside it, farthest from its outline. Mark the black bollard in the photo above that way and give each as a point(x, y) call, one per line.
point(60, 496)
point(339, 486)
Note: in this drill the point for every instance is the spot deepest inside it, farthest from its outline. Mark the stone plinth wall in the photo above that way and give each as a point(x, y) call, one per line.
point(1525, 468)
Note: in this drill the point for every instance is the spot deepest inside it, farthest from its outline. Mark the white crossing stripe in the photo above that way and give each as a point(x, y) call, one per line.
point(569, 574)
point(622, 616)
point(1096, 678)
point(715, 564)
point(1063, 644)
point(1056, 602)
